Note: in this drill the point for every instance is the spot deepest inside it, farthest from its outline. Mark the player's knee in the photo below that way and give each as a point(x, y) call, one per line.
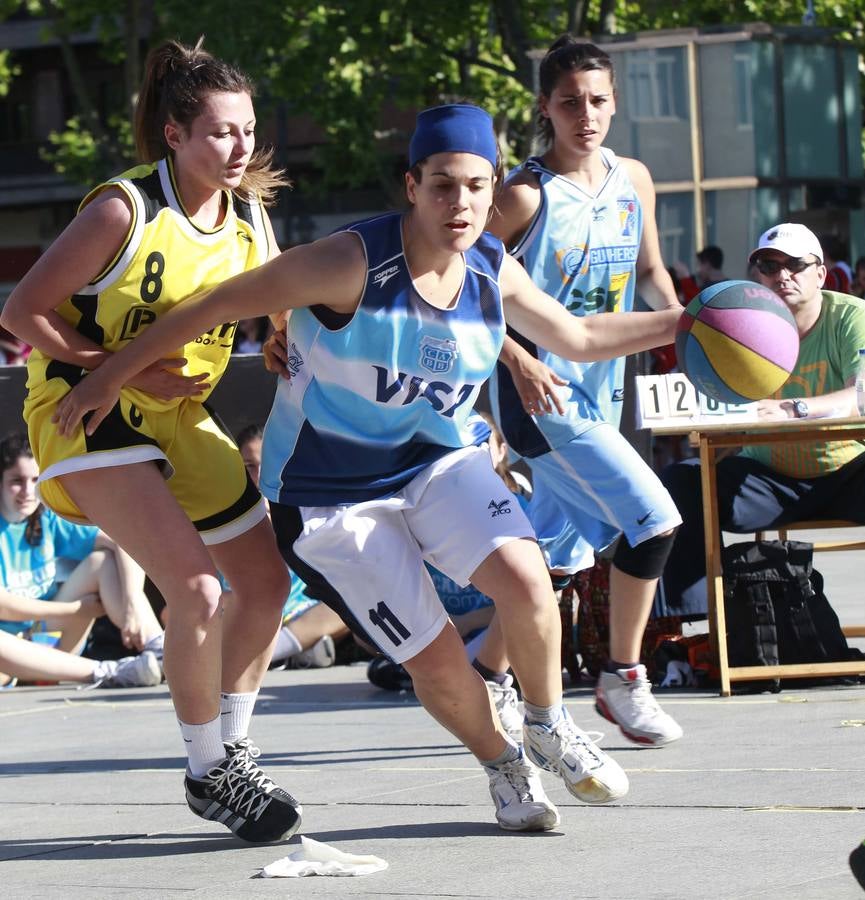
point(527, 591)
point(268, 590)
point(647, 559)
point(442, 662)
point(203, 599)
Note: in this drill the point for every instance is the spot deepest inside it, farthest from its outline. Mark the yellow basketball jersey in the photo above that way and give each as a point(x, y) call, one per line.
point(165, 259)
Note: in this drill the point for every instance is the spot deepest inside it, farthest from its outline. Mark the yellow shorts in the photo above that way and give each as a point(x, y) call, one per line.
point(201, 462)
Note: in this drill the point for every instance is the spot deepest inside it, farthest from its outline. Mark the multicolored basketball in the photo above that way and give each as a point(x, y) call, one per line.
point(737, 342)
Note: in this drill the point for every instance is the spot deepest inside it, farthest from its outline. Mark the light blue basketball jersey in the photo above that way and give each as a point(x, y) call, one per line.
point(32, 572)
point(376, 397)
point(581, 249)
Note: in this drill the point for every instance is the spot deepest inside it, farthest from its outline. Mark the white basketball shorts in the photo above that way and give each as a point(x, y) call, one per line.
point(453, 515)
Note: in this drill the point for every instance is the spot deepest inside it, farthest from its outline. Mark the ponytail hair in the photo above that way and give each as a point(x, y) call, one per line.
point(569, 54)
point(177, 80)
point(13, 448)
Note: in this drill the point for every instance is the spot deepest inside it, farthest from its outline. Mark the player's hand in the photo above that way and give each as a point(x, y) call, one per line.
point(536, 384)
point(131, 632)
point(279, 320)
point(775, 409)
point(275, 350)
point(91, 605)
point(160, 380)
point(96, 392)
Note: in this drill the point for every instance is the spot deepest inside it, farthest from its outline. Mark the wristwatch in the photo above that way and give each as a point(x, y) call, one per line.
point(800, 409)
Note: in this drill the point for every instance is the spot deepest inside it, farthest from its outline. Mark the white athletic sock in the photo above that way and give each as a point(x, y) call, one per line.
point(203, 745)
point(236, 713)
point(543, 715)
point(509, 754)
point(286, 644)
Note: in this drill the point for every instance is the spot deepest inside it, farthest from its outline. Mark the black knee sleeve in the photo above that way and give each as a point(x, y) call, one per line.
point(646, 560)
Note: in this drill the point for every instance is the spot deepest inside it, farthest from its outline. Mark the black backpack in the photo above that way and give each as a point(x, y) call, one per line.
point(776, 610)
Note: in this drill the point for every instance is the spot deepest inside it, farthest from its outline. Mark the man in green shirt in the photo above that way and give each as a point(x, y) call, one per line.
point(764, 487)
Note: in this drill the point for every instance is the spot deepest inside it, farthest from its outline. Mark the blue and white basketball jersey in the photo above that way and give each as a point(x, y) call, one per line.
point(377, 396)
point(581, 249)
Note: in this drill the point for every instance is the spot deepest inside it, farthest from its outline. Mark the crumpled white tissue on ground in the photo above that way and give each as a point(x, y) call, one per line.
point(316, 858)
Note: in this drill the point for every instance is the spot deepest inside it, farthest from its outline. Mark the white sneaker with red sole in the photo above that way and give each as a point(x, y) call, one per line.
point(625, 698)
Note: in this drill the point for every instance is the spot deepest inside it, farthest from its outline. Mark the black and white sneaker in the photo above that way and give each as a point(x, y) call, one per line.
point(240, 796)
point(245, 751)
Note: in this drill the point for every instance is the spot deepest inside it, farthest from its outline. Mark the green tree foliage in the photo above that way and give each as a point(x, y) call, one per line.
point(352, 67)
point(89, 147)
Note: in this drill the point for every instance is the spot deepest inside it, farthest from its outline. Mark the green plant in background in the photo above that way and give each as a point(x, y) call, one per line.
point(352, 68)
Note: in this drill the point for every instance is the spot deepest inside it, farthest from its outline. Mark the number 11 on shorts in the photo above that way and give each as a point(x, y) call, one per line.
point(383, 618)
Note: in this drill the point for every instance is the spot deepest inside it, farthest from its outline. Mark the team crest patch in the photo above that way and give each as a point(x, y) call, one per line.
point(573, 261)
point(438, 355)
point(627, 218)
point(293, 359)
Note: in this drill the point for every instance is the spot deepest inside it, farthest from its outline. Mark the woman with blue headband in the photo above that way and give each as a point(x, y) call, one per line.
point(581, 221)
point(370, 462)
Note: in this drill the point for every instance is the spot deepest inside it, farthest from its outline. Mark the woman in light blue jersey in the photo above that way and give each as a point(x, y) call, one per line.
point(37, 595)
point(369, 461)
point(582, 222)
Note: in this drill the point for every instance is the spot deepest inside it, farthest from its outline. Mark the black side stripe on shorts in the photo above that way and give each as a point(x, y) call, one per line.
point(288, 525)
point(241, 506)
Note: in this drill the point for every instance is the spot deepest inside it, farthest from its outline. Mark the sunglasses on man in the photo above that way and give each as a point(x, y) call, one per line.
point(793, 264)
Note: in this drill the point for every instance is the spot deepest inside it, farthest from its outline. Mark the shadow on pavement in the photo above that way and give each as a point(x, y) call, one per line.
point(136, 846)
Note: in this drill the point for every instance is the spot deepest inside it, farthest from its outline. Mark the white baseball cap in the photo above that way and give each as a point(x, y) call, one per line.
point(790, 238)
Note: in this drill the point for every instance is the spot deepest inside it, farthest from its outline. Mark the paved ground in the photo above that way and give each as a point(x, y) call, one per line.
point(762, 798)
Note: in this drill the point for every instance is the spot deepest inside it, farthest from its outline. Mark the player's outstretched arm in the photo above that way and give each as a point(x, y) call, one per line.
point(604, 336)
point(330, 272)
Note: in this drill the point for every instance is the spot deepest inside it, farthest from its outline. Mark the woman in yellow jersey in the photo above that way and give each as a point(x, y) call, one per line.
point(164, 479)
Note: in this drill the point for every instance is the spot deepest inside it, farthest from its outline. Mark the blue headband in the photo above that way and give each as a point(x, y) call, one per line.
point(455, 128)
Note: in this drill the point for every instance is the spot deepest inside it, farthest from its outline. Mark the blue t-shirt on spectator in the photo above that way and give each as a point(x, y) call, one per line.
point(31, 572)
point(455, 599)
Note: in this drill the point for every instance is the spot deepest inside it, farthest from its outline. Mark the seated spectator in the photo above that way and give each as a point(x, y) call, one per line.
point(250, 335)
point(34, 542)
point(309, 628)
point(684, 282)
point(710, 263)
point(839, 276)
point(767, 486)
point(36, 662)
